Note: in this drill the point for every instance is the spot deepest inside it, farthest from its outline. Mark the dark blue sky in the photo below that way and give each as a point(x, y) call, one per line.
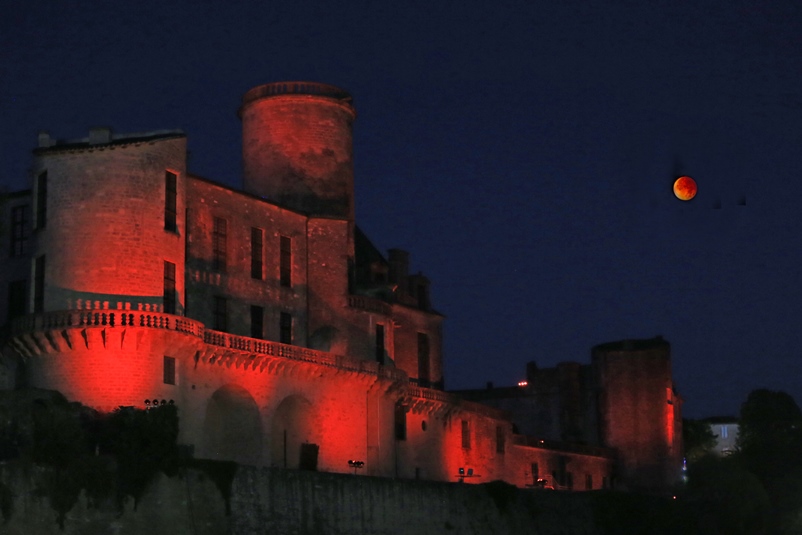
point(522, 151)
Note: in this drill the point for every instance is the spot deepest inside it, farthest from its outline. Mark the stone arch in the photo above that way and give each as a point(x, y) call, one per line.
point(328, 338)
point(294, 427)
point(232, 427)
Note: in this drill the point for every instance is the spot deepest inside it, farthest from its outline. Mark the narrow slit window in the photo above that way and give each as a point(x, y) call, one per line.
point(169, 288)
point(39, 284)
point(285, 264)
point(170, 195)
point(41, 200)
point(380, 343)
point(256, 253)
point(219, 238)
point(257, 321)
point(285, 328)
point(19, 230)
point(424, 375)
point(220, 314)
point(169, 370)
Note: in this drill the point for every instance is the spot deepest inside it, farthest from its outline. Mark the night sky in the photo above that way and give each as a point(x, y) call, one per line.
point(523, 153)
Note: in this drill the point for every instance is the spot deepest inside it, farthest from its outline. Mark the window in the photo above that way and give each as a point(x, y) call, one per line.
point(423, 296)
point(285, 264)
point(170, 194)
point(257, 321)
point(16, 298)
point(41, 200)
point(219, 245)
point(285, 328)
point(724, 432)
point(535, 473)
point(256, 253)
point(19, 230)
point(500, 442)
point(466, 434)
point(400, 422)
point(380, 343)
point(169, 287)
point(588, 482)
point(39, 284)
point(424, 378)
point(569, 480)
point(220, 314)
point(169, 370)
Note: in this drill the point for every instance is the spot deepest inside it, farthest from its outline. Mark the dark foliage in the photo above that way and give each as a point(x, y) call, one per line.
point(105, 455)
point(698, 439)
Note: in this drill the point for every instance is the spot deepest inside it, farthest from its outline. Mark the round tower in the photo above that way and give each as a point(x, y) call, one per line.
point(297, 147)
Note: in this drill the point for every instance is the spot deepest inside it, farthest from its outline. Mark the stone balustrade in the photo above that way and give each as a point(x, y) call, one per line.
point(322, 358)
point(123, 318)
point(454, 400)
point(105, 318)
point(369, 304)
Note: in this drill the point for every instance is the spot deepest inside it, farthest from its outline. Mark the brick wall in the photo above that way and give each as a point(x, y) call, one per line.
point(104, 240)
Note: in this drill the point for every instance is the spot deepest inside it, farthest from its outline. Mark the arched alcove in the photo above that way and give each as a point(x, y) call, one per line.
point(232, 427)
point(294, 427)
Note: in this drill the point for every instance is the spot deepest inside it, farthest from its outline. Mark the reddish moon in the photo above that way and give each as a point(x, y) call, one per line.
point(685, 188)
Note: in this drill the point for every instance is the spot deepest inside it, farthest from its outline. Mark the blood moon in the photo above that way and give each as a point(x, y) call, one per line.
point(685, 188)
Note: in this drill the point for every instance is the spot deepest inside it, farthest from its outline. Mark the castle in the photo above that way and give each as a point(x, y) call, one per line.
point(284, 337)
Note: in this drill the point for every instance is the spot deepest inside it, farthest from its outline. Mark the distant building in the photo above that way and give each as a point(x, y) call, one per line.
point(625, 400)
point(725, 429)
point(282, 334)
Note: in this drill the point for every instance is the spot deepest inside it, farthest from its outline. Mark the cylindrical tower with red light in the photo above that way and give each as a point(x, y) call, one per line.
point(297, 147)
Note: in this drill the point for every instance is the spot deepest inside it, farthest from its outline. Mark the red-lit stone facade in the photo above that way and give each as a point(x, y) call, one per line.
point(284, 337)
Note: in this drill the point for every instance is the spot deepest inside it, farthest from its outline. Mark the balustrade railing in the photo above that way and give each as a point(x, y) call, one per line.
point(445, 397)
point(369, 304)
point(125, 318)
point(105, 318)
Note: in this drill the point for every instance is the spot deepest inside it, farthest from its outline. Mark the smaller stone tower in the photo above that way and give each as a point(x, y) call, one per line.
point(639, 411)
point(297, 147)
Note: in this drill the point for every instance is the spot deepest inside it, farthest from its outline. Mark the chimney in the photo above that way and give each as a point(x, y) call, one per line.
point(399, 267)
point(45, 140)
point(99, 135)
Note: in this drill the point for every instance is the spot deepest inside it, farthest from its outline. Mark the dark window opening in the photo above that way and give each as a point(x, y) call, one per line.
point(39, 285)
point(400, 422)
point(423, 297)
point(220, 314)
point(41, 200)
point(424, 376)
point(285, 263)
point(219, 236)
point(285, 328)
point(170, 195)
point(380, 344)
point(535, 473)
point(588, 482)
point(19, 230)
point(257, 321)
point(500, 439)
point(256, 253)
point(169, 288)
point(466, 434)
point(169, 370)
point(17, 291)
